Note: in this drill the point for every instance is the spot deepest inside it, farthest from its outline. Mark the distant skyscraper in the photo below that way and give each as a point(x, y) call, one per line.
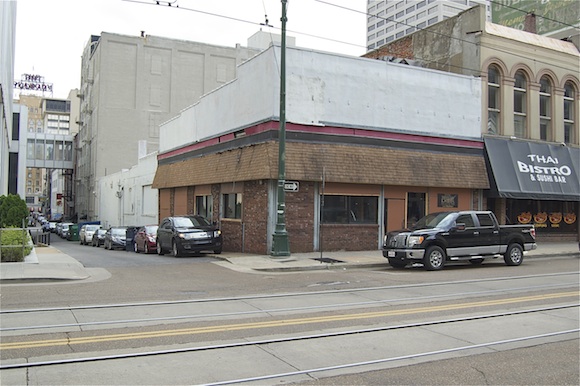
point(389, 20)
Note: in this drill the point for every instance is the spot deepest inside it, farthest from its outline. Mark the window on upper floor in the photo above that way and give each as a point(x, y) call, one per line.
point(493, 100)
point(569, 113)
point(520, 104)
point(546, 109)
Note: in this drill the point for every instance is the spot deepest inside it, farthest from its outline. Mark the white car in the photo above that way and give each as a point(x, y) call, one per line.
point(86, 233)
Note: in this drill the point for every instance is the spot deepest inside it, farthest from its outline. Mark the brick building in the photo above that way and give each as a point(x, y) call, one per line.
point(372, 145)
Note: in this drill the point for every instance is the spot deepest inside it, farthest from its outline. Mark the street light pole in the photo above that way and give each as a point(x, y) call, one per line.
point(280, 245)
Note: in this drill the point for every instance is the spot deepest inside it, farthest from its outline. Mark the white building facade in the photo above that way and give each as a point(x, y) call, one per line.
point(129, 85)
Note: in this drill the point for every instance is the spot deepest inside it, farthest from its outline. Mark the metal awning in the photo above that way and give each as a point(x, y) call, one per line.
point(532, 170)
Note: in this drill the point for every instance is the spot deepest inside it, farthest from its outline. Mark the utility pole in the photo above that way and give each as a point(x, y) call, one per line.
point(280, 245)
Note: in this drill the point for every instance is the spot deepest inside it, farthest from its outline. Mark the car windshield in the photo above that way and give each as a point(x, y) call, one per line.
point(191, 222)
point(118, 231)
point(91, 227)
point(434, 220)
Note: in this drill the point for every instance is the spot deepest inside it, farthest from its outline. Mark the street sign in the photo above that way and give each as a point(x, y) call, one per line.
point(291, 186)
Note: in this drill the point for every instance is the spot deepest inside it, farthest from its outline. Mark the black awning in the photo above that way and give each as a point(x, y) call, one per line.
point(532, 170)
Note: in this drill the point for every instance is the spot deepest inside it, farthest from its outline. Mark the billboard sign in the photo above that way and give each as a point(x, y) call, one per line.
point(551, 15)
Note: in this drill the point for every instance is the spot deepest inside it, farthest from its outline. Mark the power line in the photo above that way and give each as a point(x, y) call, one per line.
point(431, 31)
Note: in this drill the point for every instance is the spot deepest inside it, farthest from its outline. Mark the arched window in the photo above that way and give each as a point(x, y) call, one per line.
point(520, 105)
point(569, 93)
point(493, 100)
point(546, 109)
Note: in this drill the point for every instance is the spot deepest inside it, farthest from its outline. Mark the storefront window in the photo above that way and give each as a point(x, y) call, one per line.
point(233, 205)
point(416, 203)
point(547, 216)
point(350, 210)
point(204, 206)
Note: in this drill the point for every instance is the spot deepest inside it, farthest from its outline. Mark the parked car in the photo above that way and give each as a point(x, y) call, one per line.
point(146, 239)
point(86, 233)
point(52, 226)
point(116, 237)
point(473, 236)
point(98, 237)
point(184, 234)
point(64, 230)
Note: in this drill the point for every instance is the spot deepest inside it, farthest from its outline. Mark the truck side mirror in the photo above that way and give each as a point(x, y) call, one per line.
point(459, 226)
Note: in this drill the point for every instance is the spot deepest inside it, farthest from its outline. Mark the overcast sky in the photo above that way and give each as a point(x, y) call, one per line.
point(51, 34)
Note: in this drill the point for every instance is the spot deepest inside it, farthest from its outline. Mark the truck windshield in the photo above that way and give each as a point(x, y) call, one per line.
point(434, 220)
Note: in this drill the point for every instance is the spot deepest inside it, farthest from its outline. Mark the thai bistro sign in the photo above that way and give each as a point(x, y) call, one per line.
point(533, 170)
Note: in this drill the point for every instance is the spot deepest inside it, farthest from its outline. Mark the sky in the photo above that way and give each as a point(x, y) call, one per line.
point(51, 34)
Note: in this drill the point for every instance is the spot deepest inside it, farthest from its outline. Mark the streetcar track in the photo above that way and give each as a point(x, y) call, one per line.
point(289, 294)
point(315, 336)
point(392, 359)
point(278, 323)
point(271, 311)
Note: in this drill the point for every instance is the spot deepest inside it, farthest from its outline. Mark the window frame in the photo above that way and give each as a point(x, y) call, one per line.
point(349, 209)
point(236, 199)
point(494, 112)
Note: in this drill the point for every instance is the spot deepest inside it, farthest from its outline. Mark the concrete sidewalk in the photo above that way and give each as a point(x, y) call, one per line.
point(49, 263)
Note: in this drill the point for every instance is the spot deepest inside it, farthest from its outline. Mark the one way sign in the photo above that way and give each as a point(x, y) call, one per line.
point(291, 186)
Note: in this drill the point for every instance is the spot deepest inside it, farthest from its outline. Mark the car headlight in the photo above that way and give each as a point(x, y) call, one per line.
point(414, 240)
point(217, 233)
point(185, 236)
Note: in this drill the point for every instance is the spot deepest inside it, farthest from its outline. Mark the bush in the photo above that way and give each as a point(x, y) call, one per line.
point(11, 241)
point(13, 211)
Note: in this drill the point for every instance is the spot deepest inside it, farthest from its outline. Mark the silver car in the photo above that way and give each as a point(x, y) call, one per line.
point(86, 233)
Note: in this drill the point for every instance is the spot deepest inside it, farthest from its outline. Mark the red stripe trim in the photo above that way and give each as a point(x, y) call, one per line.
point(352, 132)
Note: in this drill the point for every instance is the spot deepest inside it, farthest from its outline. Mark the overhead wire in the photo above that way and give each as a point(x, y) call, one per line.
point(446, 36)
point(428, 61)
point(538, 15)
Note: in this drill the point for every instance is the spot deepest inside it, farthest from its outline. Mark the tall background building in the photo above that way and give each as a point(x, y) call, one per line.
point(50, 128)
point(393, 19)
point(131, 84)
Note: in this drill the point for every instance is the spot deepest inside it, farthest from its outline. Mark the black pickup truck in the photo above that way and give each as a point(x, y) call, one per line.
point(454, 236)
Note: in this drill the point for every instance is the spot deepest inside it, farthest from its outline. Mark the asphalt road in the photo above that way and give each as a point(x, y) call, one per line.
point(322, 302)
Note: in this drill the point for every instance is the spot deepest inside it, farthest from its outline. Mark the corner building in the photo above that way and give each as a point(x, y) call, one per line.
point(371, 146)
point(530, 113)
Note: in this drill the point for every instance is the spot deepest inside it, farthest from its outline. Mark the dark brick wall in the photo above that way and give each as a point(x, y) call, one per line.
point(300, 218)
point(232, 234)
point(401, 48)
point(255, 217)
point(359, 237)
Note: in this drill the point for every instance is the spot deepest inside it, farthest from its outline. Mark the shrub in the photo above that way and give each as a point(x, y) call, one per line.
point(11, 241)
point(13, 211)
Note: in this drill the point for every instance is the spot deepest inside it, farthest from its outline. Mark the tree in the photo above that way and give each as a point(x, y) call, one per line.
point(13, 211)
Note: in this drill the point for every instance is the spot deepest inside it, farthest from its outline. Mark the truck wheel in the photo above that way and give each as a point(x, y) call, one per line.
point(434, 258)
point(514, 254)
point(397, 263)
point(159, 248)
